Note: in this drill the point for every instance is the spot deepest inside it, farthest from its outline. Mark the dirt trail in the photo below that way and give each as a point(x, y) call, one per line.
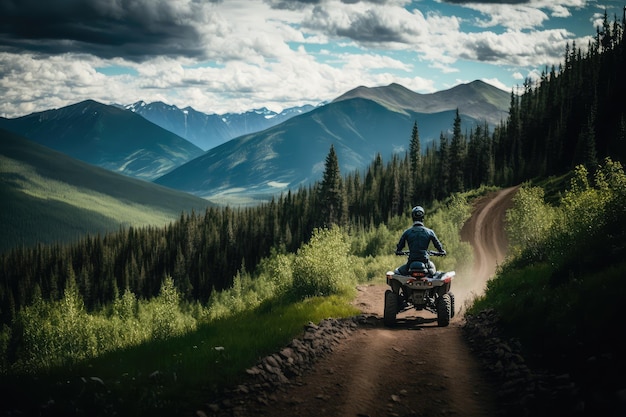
point(413, 369)
point(485, 231)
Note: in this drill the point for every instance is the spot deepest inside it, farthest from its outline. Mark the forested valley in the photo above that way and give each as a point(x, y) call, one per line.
point(574, 115)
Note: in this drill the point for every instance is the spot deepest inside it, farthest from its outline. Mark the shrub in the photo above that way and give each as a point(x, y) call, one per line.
point(377, 240)
point(278, 270)
point(164, 315)
point(529, 220)
point(322, 266)
point(447, 222)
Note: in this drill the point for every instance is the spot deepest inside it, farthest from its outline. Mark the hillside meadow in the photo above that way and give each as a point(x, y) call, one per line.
point(48, 197)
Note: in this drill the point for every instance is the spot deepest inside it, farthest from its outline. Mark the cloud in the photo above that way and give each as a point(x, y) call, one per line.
point(518, 15)
point(134, 29)
point(224, 56)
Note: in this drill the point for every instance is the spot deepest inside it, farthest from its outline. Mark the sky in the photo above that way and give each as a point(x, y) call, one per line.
point(221, 56)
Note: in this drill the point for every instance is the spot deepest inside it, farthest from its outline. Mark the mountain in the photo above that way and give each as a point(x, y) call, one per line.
point(108, 137)
point(477, 100)
point(210, 130)
point(50, 197)
point(360, 124)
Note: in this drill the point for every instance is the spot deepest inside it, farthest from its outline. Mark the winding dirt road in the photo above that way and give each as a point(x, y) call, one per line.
point(413, 369)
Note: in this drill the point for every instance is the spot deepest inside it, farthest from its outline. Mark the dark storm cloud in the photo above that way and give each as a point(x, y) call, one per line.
point(133, 29)
point(299, 4)
point(373, 26)
point(487, 1)
point(369, 28)
point(291, 4)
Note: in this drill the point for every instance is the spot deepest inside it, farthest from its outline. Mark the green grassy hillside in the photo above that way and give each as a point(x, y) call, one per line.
point(48, 197)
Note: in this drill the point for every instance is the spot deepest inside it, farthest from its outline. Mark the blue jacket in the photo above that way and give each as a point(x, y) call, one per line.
point(418, 238)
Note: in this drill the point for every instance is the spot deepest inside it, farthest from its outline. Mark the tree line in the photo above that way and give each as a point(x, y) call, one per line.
point(574, 114)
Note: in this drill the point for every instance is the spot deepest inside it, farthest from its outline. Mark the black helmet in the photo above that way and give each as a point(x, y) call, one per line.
point(417, 214)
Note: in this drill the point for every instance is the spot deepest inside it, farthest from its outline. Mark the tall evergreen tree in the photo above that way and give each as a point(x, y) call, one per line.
point(331, 196)
point(457, 156)
point(441, 178)
point(586, 147)
point(415, 159)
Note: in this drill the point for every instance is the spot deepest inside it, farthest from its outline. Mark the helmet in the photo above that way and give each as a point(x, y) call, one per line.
point(417, 214)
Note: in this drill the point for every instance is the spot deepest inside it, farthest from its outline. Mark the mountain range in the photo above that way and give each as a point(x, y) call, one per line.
point(207, 131)
point(254, 166)
point(477, 100)
point(360, 124)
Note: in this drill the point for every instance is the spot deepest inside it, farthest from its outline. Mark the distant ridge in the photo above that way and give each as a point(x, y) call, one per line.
point(210, 130)
point(106, 136)
point(477, 99)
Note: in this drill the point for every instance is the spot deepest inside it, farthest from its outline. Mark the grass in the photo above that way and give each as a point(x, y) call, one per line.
point(175, 376)
point(560, 296)
point(38, 209)
point(48, 197)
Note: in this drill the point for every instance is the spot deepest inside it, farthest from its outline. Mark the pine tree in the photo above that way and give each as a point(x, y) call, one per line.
point(415, 159)
point(331, 196)
point(441, 180)
point(586, 146)
point(457, 155)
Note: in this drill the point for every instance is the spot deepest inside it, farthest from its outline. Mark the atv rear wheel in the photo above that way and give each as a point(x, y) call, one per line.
point(444, 310)
point(391, 308)
point(452, 307)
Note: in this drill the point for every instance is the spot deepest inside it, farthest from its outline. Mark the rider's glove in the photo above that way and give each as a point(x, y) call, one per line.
point(399, 252)
point(443, 253)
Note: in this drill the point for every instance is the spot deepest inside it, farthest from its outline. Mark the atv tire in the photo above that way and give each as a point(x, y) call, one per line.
point(452, 306)
point(391, 308)
point(444, 310)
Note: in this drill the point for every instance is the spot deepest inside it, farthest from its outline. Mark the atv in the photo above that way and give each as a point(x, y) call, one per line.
point(423, 289)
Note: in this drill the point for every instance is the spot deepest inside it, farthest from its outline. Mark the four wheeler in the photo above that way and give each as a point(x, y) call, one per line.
point(422, 289)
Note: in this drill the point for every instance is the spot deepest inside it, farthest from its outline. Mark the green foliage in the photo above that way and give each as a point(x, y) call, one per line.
point(528, 221)
point(5, 338)
point(174, 376)
point(50, 334)
point(331, 200)
point(447, 222)
point(375, 241)
point(163, 314)
point(555, 247)
point(278, 270)
point(568, 275)
point(322, 266)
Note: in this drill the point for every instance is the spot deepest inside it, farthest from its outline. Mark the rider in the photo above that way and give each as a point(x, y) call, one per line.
point(418, 238)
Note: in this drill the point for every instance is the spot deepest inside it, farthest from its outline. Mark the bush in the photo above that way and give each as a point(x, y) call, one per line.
point(529, 220)
point(164, 315)
point(447, 222)
point(277, 269)
point(561, 294)
point(376, 241)
point(322, 266)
